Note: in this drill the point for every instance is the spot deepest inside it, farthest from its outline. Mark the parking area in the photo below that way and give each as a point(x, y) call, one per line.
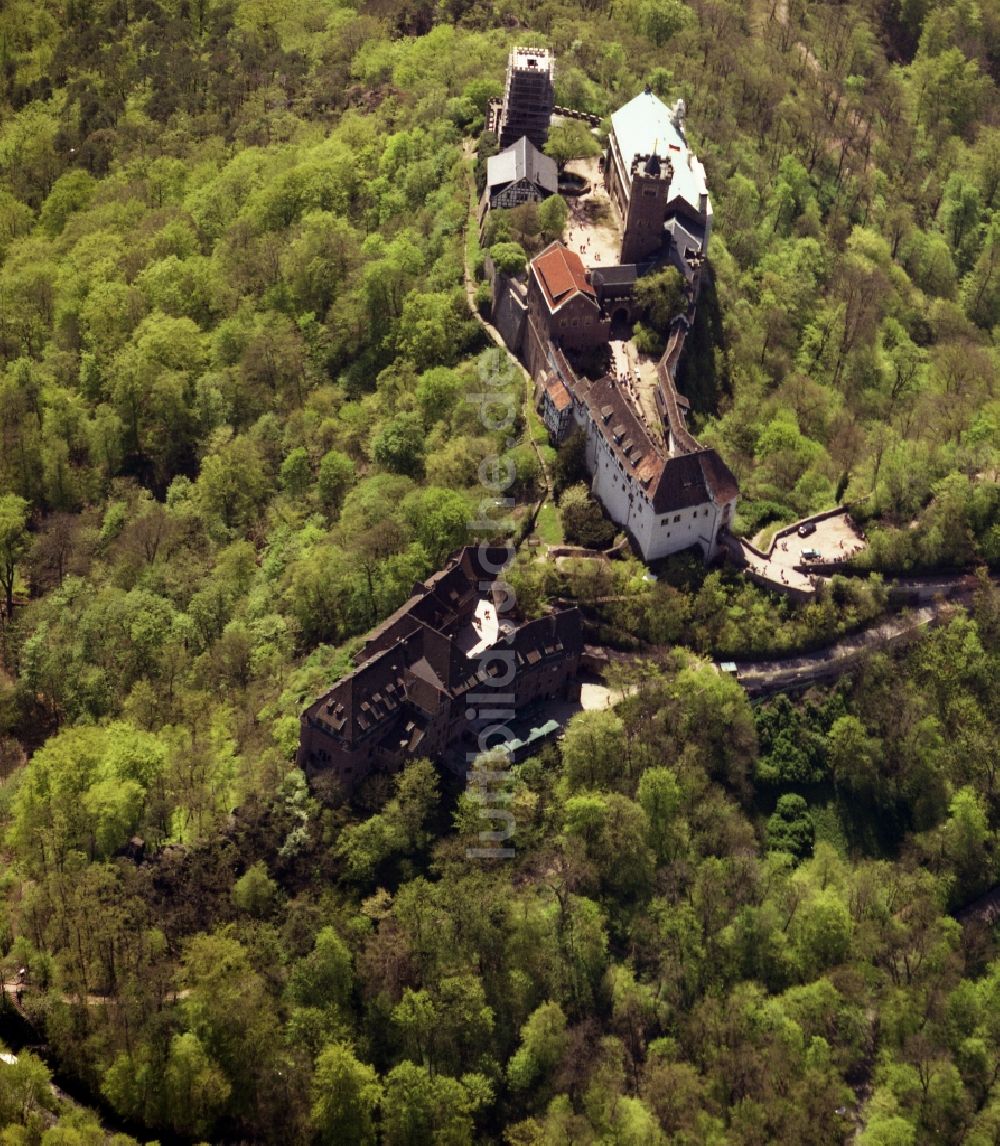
point(833, 539)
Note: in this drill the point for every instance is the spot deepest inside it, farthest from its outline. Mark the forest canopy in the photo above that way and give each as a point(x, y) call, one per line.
point(236, 352)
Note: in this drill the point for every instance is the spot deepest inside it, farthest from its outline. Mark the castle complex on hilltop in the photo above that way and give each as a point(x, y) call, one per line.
point(428, 680)
point(667, 492)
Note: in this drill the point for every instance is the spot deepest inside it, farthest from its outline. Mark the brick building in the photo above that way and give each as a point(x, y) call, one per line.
point(563, 300)
point(421, 674)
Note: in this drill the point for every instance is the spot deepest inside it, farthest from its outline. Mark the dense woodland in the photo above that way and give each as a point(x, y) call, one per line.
point(235, 357)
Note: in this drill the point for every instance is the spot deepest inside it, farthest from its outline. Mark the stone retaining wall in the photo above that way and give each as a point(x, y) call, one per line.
point(572, 113)
point(611, 554)
point(787, 530)
point(793, 592)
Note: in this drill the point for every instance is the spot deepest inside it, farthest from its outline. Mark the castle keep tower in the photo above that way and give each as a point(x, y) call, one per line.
point(645, 206)
point(528, 98)
point(658, 184)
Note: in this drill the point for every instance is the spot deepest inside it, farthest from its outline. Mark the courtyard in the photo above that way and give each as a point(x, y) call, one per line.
point(592, 228)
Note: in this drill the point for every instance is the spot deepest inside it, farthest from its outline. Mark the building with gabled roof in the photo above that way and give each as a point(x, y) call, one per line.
point(666, 502)
point(654, 178)
point(563, 300)
point(519, 174)
point(556, 407)
point(412, 690)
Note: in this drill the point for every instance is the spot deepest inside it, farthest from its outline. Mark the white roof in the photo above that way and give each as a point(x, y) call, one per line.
point(644, 126)
point(501, 168)
point(484, 631)
point(532, 57)
point(688, 182)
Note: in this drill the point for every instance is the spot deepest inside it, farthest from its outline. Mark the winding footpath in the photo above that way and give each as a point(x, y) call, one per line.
point(16, 991)
point(468, 158)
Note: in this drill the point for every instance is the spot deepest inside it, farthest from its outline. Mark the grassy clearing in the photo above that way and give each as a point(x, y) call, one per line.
point(548, 527)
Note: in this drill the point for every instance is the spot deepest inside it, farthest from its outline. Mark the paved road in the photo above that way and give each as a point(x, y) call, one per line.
point(935, 598)
point(762, 677)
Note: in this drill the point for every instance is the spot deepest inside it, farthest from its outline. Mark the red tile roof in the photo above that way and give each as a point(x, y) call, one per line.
point(561, 275)
point(560, 396)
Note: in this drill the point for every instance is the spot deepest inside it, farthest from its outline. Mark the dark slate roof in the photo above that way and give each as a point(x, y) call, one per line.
point(522, 160)
point(484, 562)
point(718, 477)
point(615, 419)
point(366, 699)
point(445, 598)
point(681, 485)
point(624, 274)
point(404, 739)
point(688, 236)
point(671, 483)
point(412, 662)
point(551, 637)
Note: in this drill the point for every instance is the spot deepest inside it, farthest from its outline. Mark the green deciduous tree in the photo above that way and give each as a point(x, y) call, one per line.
point(660, 798)
point(255, 891)
point(13, 544)
point(296, 473)
point(544, 1041)
point(419, 1106)
point(508, 258)
point(662, 297)
point(399, 445)
point(337, 474)
point(346, 1093)
point(196, 1089)
point(791, 829)
point(570, 139)
point(582, 520)
point(87, 790)
point(26, 1096)
point(552, 216)
point(592, 750)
